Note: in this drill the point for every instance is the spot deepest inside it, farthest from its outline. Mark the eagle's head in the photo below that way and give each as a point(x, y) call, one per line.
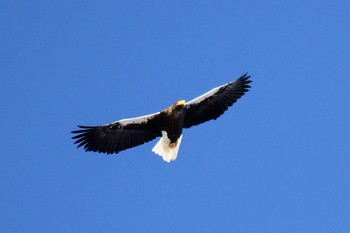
point(180, 103)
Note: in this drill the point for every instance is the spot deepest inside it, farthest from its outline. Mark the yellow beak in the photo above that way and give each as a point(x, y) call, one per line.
point(180, 102)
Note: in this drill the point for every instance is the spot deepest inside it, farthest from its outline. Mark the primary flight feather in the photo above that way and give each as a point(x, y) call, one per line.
point(167, 124)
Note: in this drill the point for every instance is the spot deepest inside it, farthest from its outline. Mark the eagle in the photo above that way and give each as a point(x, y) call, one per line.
point(167, 124)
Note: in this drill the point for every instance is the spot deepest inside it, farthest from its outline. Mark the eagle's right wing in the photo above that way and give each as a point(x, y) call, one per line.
point(214, 103)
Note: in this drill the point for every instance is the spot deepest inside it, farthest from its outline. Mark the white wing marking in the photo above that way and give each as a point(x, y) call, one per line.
point(205, 95)
point(136, 120)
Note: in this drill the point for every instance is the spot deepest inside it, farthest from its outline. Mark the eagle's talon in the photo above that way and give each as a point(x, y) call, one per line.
point(172, 144)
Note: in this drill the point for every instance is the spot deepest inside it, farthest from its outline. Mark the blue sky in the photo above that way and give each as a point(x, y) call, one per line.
point(277, 161)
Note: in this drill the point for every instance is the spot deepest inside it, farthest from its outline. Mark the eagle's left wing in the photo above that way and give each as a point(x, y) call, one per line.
point(119, 135)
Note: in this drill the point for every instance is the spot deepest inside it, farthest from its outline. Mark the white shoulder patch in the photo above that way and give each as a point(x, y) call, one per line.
point(205, 95)
point(136, 120)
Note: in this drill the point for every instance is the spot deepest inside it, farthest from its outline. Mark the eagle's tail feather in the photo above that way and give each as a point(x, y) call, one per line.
point(163, 149)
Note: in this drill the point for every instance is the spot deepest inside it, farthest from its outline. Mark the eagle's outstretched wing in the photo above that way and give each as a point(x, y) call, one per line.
point(119, 135)
point(214, 103)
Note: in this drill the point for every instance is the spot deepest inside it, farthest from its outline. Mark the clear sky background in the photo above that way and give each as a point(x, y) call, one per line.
point(277, 161)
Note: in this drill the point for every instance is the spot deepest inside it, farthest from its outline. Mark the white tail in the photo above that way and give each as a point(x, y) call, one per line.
point(163, 149)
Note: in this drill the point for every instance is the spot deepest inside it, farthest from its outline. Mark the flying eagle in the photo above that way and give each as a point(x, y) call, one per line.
point(167, 124)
